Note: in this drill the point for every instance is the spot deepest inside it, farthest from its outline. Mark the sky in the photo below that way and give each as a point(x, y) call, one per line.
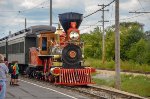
point(14, 12)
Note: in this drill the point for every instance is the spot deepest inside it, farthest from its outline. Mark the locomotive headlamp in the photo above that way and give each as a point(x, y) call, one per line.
point(74, 35)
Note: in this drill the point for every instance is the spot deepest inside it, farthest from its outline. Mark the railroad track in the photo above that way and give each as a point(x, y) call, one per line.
point(98, 92)
point(94, 92)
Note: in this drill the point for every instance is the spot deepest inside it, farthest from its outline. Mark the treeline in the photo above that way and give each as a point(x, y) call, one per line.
point(134, 43)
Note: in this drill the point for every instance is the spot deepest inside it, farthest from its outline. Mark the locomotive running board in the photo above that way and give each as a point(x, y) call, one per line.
point(75, 76)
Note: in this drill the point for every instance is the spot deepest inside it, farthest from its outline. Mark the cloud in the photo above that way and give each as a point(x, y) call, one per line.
point(2, 2)
point(27, 4)
point(59, 4)
point(129, 4)
point(32, 3)
point(37, 12)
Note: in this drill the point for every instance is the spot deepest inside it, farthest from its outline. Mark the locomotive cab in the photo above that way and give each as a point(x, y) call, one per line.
point(46, 41)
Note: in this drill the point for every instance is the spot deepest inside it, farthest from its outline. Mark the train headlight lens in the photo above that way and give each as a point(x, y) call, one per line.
point(74, 35)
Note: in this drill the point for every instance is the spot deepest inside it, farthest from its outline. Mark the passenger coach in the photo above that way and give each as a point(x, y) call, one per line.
point(15, 47)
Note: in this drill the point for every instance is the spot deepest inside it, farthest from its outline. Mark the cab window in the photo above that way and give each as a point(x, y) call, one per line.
point(44, 43)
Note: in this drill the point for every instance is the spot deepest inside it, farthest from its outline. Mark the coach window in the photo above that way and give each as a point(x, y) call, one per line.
point(21, 47)
point(10, 49)
point(44, 43)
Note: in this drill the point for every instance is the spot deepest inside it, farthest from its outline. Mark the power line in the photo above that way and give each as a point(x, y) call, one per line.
point(111, 14)
point(143, 8)
point(90, 26)
point(141, 5)
point(11, 21)
point(139, 12)
point(34, 6)
point(23, 10)
point(131, 17)
point(9, 11)
point(20, 11)
point(98, 10)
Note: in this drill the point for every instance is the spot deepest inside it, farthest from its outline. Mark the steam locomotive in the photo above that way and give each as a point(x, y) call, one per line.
point(49, 54)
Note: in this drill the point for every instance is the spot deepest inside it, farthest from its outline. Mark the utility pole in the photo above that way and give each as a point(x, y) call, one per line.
point(9, 33)
point(25, 23)
point(117, 46)
point(6, 47)
point(103, 38)
point(50, 14)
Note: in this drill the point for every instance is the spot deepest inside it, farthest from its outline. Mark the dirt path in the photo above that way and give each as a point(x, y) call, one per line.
point(110, 74)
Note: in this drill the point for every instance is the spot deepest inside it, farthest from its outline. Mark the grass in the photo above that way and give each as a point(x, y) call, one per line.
point(130, 66)
point(138, 85)
point(98, 63)
point(134, 84)
point(109, 83)
point(125, 65)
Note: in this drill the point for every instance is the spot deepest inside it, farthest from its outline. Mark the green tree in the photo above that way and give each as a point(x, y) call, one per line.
point(131, 33)
point(147, 52)
point(132, 39)
point(110, 44)
point(138, 52)
point(92, 43)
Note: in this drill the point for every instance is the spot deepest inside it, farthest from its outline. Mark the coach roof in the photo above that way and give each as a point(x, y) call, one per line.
point(31, 31)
